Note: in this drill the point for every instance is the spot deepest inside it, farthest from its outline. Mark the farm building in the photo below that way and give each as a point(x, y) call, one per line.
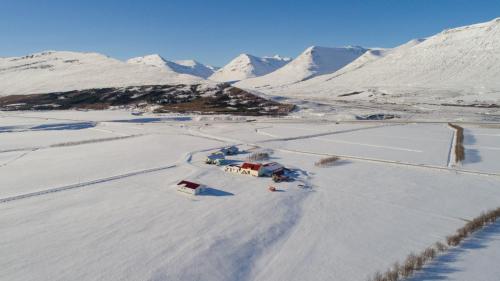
point(273, 168)
point(216, 158)
point(253, 169)
point(235, 169)
point(190, 187)
point(245, 169)
point(230, 150)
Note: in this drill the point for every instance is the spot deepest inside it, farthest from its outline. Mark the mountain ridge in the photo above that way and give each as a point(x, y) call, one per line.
point(246, 66)
point(313, 61)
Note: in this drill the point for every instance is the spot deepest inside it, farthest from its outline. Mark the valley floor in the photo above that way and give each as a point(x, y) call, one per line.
point(92, 196)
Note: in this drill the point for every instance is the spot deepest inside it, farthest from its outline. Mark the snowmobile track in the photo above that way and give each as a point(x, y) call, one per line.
point(83, 184)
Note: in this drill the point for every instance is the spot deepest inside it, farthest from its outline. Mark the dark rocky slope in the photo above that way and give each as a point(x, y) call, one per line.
point(218, 99)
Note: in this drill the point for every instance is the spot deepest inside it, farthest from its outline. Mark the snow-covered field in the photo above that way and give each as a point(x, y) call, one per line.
point(90, 196)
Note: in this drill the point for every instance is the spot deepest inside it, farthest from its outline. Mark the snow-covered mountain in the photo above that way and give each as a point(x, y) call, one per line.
point(368, 57)
point(55, 71)
point(247, 66)
point(190, 67)
point(460, 65)
point(312, 62)
point(196, 68)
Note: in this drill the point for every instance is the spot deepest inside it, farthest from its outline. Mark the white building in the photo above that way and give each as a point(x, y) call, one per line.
point(190, 187)
point(245, 169)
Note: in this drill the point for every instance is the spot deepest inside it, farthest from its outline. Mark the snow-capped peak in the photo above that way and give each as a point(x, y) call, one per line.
point(190, 67)
point(245, 66)
point(278, 57)
point(153, 60)
point(190, 63)
point(313, 61)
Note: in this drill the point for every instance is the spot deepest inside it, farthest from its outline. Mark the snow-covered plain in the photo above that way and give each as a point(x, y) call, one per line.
point(103, 206)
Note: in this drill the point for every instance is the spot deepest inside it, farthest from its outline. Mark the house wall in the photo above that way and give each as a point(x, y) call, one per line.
point(238, 170)
point(190, 190)
point(252, 172)
point(186, 190)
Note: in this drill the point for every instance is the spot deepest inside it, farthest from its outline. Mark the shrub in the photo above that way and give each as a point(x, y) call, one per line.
point(453, 240)
point(328, 161)
point(429, 254)
point(459, 143)
point(393, 273)
point(440, 247)
point(258, 156)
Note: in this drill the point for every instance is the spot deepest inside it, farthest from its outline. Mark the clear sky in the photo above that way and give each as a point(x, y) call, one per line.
point(214, 31)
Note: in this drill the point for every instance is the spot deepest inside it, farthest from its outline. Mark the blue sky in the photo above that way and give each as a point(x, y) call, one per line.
point(214, 31)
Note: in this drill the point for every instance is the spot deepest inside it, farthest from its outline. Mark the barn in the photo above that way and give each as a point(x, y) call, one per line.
point(190, 187)
point(252, 169)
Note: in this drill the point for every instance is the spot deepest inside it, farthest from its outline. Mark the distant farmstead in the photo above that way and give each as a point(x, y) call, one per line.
point(190, 187)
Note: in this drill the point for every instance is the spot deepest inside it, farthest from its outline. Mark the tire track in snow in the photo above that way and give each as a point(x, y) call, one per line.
point(372, 145)
point(71, 143)
point(327, 133)
point(84, 184)
point(366, 159)
point(19, 157)
point(407, 164)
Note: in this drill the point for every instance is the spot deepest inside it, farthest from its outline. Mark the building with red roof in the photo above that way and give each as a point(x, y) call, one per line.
point(190, 187)
point(252, 169)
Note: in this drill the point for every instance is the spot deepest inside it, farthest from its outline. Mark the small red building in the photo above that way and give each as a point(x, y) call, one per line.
point(252, 169)
point(190, 187)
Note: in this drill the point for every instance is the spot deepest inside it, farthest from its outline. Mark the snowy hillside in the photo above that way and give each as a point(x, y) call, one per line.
point(247, 66)
point(312, 62)
point(190, 67)
point(375, 54)
point(460, 65)
point(65, 71)
point(368, 57)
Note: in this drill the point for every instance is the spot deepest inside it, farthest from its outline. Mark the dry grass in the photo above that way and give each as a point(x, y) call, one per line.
point(415, 262)
point(258, 156)
point(459, 143)
point(325, 162)
point(490, 126)
point(473, 226)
